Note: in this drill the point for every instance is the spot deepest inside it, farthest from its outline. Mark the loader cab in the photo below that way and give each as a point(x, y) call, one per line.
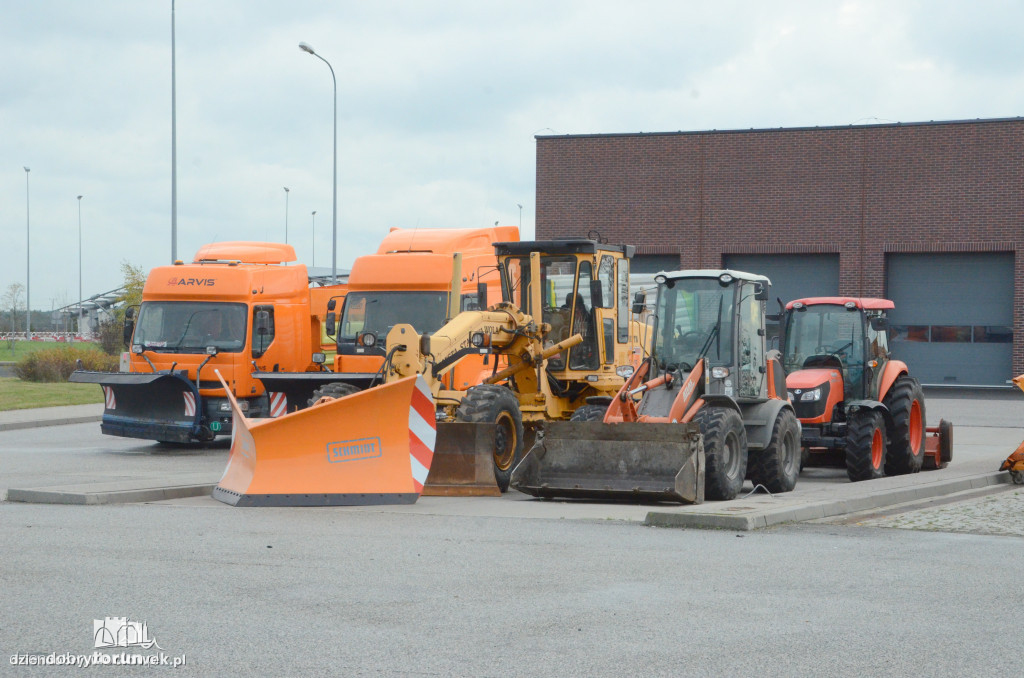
point(846, 335)
point(717, 316)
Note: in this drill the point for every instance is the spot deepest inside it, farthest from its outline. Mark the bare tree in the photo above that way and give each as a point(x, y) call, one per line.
point(13, 302)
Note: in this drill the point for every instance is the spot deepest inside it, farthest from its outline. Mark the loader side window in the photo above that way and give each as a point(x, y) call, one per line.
point(622, 301)
point(262, 337)
point(606, 274)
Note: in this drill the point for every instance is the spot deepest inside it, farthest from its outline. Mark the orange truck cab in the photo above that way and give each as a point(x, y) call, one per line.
point(236, 306)
point(407, 280)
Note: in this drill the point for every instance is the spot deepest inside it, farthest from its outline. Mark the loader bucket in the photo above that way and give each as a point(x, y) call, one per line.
point(623, 461)
point(373, 447)
point(160, 406)
point(463, 463)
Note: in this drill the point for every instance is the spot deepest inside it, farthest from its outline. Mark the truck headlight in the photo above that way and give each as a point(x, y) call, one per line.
point(812, 395)
point(719, 372)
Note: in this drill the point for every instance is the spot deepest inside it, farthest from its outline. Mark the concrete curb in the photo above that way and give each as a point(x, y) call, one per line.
point(38, 423)
point(55, 496)
point(757, 519)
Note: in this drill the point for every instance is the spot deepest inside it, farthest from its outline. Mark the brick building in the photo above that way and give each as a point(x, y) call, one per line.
point(930, 215)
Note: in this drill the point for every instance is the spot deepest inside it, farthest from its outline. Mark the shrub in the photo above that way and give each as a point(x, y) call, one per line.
point(111, 337)
point(57, 363)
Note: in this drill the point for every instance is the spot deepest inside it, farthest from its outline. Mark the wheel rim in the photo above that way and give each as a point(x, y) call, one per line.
point(731, 450)
point(504, 441)
point(877, 447)
point(916, 429)
point(790, 451)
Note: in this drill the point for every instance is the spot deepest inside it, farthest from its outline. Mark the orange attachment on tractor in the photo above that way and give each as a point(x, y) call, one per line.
point(373, 447)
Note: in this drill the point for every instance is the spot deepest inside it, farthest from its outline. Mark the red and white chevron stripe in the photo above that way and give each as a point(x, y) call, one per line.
point(190, 403)
point(422, 432)
point(109, 401)
point(278, 404)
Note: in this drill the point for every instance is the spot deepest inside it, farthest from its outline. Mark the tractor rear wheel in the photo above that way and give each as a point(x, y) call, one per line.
point(589, 413)
point(865, 445)
point(335, 389)
point(489, 403)
point(777, 466)
point(905, 452)
point(725, 451)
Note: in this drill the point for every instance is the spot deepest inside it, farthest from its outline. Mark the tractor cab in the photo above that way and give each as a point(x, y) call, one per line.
point(834, 350)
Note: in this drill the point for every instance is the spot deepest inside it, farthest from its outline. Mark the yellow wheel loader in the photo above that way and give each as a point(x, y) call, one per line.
point(562, 334)
point(706, 410)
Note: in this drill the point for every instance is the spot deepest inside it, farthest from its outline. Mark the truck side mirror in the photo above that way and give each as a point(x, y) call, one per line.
point(129, 325)
point(332, 304)
point(879, 323)
point(481, 295)
point(330, 327)
point(639, 302)
point(596, 294)
point(760, 291)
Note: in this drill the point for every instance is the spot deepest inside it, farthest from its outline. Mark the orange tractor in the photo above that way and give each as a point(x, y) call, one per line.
point(856, 404)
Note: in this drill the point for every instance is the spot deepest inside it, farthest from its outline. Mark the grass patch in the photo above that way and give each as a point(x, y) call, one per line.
point(16, 394)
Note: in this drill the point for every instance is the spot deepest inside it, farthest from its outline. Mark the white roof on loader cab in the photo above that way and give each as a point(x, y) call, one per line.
point(716, 273)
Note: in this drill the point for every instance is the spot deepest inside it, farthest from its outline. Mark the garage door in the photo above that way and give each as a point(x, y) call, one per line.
point(793, 276)
point(953, 321)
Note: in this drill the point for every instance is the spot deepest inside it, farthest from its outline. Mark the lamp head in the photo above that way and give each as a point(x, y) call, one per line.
point(306, 48)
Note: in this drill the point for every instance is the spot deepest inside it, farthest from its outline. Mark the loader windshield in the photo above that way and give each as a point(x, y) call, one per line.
point(378, 312)
point(190, 326)
point(694, 320)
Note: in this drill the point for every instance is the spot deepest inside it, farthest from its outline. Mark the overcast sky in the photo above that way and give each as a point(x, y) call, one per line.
point(438, 106)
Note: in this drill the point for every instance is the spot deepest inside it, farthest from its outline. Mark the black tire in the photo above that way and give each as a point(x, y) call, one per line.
point(335, 389)
point(589, 413)
point(725, 451)
point(489, 403)
point(777, 466)
point(865, 446)
point(905, 451)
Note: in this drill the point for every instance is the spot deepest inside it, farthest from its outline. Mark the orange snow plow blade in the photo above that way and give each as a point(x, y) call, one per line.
point(372, 447)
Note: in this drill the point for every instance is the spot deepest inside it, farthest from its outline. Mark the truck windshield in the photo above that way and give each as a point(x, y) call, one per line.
point(190, 326)
point(694, 315)
point(821, 332)
point(378, 312)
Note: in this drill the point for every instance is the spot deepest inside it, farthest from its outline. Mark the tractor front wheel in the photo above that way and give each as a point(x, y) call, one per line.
point(490, 403)
point(725, 451)
point(865, 445)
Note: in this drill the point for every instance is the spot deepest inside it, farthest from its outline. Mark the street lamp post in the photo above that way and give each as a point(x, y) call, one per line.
point(314, 239)
point(174, 150)
point(520, 219)
point(79, 265)
point(28, 263)
point(334, 218)
point(286, 191)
